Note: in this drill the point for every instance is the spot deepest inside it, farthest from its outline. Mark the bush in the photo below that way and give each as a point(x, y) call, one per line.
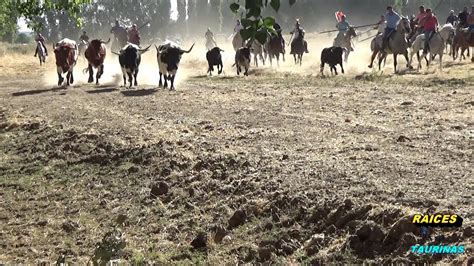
point(23, 38)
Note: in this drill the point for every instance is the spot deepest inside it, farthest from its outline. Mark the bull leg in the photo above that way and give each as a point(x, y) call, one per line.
point(172, 82)
point(68, 78)
point(100, 72)
point(342, 68)
point(278, 59)
point(219, 71)
point(321, 69)
point(395, 62)
point(238, 69)
point(135, 74)
point(246, 73)
point(210, 69)
point(130, 79)
point(160, 83)
point(165, 78)
point(301, 59)
point(296, 62)
point(60, 79)
point(91, 73)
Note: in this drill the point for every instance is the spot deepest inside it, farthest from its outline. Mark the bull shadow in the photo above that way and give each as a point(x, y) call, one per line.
point(139, 92)
point(38, 91)
point(103, 89)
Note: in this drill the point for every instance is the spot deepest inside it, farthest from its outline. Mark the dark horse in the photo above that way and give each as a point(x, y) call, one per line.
point(275, 47)
point(298, 47)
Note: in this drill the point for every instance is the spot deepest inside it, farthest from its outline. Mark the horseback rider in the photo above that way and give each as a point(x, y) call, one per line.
point(40, 38)
point(420, 20)
point(134, 35)
point(343, 26)
point(210, 38)
point(392, 18)
point(296, 34)
point(430, 25)
point(452, 18)
point(84, 38)
point(238, 27)
point(278, 30)
point(381, 25)
point(462, 16)
point(120, 33)
point(470, 23)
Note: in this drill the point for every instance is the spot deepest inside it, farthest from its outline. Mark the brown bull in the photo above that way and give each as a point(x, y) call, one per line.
point(95, 54)
point(66, 57)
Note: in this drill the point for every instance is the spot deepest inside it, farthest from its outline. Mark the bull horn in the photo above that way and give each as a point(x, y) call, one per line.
point(107, 42)
point(144, 50)
point(115, 53)
point(188, 51)
point(157, 49)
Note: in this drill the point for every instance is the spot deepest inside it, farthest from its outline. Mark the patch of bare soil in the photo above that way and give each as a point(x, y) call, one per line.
point(277, 167)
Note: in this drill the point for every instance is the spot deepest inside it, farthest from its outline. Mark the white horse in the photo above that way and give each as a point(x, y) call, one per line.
point(258, 50)
point(41, 53)
point(344, 40)
point(237, 41)
point(437, 45)
point(397, 44)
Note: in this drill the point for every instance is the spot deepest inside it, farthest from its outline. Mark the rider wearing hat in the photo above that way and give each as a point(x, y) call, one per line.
point(40, 38)
point(296, 33)
point(210, 38)
point(452, 18)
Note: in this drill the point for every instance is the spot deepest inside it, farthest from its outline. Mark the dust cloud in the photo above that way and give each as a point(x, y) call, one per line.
point(194, 64)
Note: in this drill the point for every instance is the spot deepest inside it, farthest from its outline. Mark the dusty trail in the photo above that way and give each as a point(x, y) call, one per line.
point(300, 155)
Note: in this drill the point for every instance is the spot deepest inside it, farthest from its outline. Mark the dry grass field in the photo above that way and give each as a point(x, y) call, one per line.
point(284, 166)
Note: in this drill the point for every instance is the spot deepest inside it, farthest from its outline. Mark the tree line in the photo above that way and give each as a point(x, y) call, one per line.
point(58, 20)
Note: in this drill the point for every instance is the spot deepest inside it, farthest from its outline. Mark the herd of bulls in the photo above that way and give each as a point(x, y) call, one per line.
point(67, 52)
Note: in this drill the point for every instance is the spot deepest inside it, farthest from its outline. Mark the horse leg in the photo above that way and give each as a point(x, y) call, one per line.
point(301, 59)
point(278, 59)
point(381, 58)
point(372, 58)
point(441, 62)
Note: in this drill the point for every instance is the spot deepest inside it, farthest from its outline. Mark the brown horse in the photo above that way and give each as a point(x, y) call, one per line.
point(462, 43)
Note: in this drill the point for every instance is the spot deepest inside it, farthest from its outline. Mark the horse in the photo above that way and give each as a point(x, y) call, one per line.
point(82, 48)
point(237, 41)
point(258, 50)
point(462, 43)
point(344, 40)
point(41, 52)
point(298, 47)
point(436, 45)
point(274, 47)
point(397, 44)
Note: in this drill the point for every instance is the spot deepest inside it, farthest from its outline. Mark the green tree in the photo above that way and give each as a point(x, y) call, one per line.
point(255, 25)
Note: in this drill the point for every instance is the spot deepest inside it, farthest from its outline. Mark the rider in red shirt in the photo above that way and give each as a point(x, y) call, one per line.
point(430, 27)
point(134, 35)
point(40, 38)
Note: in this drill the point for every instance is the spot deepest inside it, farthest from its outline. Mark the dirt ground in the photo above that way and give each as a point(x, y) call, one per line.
point(283, 166)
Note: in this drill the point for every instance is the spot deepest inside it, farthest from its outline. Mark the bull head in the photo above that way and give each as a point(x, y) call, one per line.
point(181, 51)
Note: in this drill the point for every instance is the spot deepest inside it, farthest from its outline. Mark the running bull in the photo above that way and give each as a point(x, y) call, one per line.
point(168, 56)
point(95, 54)
point(130, 58)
